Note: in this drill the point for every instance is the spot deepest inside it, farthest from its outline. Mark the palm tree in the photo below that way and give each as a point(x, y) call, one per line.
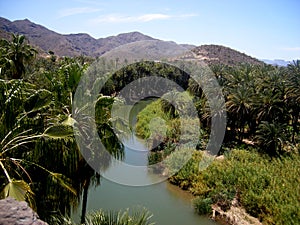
point(271, 137)
point(269, 107)
point(239, 105)
point(108, 138)
point(23, 164)
point(169, 103)
point(16, 54)
point(293, 95)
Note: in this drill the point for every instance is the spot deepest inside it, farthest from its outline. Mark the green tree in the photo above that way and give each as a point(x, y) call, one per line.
point(271, 137)
point(293, 95)
point(170, 102)
point(239, 105)
point(16, 54)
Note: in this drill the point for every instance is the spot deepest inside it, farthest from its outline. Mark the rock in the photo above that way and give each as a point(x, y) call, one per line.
point(13, 212)
point(236, 215)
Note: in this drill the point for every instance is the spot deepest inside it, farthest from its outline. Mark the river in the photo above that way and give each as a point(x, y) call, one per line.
point(169, 204)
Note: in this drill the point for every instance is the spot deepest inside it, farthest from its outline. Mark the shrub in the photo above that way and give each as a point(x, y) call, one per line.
point(127, 217)
point(202, 205)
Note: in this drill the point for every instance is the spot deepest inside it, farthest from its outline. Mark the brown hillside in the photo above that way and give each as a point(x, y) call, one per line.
point(130, 46)
point(217, 54)
point(66, 45)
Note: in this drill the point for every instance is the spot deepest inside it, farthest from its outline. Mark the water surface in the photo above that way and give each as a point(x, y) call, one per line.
point(169, 204)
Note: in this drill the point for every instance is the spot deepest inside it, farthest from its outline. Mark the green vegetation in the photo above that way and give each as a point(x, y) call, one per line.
point(40, 161)
point(150, 112)
point(261, 144)
point(266, 187)
point(136, 216)
point(14, 56)
point(39, 158)
point(262, 104)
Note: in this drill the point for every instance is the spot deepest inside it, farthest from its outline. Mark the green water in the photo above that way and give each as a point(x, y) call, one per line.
point(168, 204)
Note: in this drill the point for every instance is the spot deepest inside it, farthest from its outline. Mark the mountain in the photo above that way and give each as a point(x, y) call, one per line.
point(276, 62)
point(66, 45)
point(130, 46)
point(148, 49)
point(217, 54)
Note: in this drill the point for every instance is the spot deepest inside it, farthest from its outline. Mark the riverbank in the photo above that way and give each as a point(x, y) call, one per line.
point(244, 188)
point(236, 215)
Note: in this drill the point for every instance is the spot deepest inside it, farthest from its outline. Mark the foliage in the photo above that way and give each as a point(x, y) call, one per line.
point(144, 118)
point(255, 95)
point(127, 217)
point(266, 187)
point(14, 55)
point(133, 72)
point(202, 205)
point(135, 216)
point(271, 136)
point(20, 134)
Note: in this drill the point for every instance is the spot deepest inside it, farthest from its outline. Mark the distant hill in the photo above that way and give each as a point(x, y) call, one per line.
point(276, 62)
point(217, 54)
point(147, 50)
point(131, 46)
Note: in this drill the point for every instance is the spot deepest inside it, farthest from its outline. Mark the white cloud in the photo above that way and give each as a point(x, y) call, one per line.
point(150, 17)
point(116, 18)
point(76, 11)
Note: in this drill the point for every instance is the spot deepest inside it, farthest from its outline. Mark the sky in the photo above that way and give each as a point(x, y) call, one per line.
point(263, 29)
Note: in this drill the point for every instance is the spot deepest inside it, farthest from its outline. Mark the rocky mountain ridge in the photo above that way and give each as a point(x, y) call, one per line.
point(132, 46)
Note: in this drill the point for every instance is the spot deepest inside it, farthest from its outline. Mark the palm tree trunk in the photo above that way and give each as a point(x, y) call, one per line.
point(84, 200)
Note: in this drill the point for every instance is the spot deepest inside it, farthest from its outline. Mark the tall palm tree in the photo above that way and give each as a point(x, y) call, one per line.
point(108, 138)
point(293, 95)
point(271, 137)
point(16, 54)
point(239, 105)
point(269, 107)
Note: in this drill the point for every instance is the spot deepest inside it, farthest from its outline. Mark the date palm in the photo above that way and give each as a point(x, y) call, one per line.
point(16, 54)
point(293, 95)
point(269, 107)
point(239, 105)
point(271, 137)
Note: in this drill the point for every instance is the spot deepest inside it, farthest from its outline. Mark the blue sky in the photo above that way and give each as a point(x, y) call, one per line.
point(264, 29)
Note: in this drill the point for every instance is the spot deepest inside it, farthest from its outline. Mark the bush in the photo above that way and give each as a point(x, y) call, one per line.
point(202, 205)
point(127, 217)
point(223, 200)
